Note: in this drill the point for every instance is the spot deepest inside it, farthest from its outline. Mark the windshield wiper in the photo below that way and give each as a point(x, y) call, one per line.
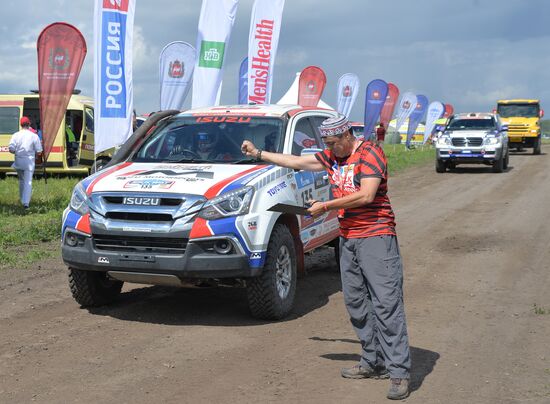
point(248, 160)
point(190, 161)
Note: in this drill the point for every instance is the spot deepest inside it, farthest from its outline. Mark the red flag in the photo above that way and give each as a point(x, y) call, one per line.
point(310, 86)
point(389, 105)
point(449, 109)
point(61, 52)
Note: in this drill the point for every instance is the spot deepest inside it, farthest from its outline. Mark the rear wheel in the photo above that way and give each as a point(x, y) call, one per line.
point(440, 166)
point(271, 295)
point(506, 160)
point(91, 288)
point(537, 146)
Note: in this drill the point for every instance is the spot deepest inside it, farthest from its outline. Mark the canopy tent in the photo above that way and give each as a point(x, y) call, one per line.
point(291, 96)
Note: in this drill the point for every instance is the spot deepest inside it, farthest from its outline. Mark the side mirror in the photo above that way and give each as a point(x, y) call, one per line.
point(308, 151)
point(541, 113)
point(504, 128)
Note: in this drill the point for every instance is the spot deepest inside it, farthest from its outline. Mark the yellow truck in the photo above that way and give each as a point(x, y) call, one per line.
point(522, 117)
point(68, 154)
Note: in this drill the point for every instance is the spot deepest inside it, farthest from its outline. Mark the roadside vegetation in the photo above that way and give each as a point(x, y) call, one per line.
point(28, 236)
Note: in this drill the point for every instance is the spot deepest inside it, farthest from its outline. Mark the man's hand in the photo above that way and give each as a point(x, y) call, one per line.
point(316, 208)
point(249, 149)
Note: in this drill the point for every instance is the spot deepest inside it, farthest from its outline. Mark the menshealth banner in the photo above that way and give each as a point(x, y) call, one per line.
point(416, 116)
point(61, 52)
point(215, 24)
point(263, 39)
point(377, 90)
point(348, 88)
point(436, 110)
point(176, 64)
point(113, 87)
point(389, 105)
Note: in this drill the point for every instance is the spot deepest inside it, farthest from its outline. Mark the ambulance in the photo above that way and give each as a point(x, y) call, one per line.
point(68, 154)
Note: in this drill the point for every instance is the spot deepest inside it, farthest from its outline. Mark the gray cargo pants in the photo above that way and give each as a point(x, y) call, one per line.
point(372, 283)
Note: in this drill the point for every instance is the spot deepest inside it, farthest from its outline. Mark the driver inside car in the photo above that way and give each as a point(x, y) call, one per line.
point(208, 147)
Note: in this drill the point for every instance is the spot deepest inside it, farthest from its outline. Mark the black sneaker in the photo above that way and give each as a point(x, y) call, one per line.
point(25, 207)
point(399, 389)
point(360, 372)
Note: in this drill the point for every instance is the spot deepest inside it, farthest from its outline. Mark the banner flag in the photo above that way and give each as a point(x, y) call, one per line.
point(406, 107)
point(243, 82)
point(377, 90)
point(113, 83)
point(215, 25)
point(348, 88)
point(416, 116)
point(449, 110)
point(310, 86)
point(389, 105)
point(176, 64)
point(263, 39)
point(61, 51)
point(436, 110)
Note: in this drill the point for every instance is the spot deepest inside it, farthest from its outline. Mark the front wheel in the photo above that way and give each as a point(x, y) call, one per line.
point(498, 165)
point(537, 146)
point(91, 288)
point(271, 294)
point(506, 160)
point(440, 166)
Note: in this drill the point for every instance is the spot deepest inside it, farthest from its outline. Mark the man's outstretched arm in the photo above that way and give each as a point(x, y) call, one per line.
point(308, 163)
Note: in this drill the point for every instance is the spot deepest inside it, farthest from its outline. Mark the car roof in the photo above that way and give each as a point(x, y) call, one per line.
point(474, 115)
point(269, 110)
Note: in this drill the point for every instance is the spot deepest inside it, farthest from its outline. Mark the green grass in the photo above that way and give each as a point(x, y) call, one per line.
point(25, 234)
point(540, 310)
point(399, 158)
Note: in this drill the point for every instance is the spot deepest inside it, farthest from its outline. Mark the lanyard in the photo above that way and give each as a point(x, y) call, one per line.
point(345, 168)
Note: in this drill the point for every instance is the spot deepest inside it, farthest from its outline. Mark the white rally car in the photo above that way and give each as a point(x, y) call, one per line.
point(181, 204)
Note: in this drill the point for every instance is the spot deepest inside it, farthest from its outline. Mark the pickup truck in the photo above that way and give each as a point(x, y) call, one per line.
point(179, 204)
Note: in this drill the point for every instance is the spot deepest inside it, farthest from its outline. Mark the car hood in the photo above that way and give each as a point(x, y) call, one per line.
point(468, 133)
point(195, 179)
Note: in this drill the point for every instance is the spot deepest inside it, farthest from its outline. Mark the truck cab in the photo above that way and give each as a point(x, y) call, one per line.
point(522, 116)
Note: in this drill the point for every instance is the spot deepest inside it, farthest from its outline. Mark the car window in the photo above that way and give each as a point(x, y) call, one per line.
point(472, 124)
point(304, 137)
point(89, 119)
point(9, 119)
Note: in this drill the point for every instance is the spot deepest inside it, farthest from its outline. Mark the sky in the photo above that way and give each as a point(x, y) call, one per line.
point(465, 52)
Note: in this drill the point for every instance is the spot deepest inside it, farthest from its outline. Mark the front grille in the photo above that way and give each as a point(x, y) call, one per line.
point(467, 141)
point(162, 245)
point(118, 200)
point(141, 216)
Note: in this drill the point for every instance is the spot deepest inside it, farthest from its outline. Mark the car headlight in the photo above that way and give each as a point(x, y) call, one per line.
point(492, 140)
point(233, 203)
point(444, 141)
point(79, 200)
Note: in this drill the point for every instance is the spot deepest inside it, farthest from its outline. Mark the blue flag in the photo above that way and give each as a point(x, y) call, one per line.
point(243, 82)
point(377, 90)
point(416, 117)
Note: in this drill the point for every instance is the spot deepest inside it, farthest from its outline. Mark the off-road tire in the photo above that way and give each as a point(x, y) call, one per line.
point(506, 160)
point(91, 288)
point(498, 165)
point(440, 166)
point(264, 299)
point(537, 146)
point(98, 165)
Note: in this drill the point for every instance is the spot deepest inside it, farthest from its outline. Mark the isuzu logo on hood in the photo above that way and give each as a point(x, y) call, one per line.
point(139, 200)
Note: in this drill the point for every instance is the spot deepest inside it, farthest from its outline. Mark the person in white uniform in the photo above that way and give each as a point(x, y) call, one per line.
point(26, 146)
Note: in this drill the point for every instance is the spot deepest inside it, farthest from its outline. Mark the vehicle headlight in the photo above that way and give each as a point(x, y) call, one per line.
point(79, 200)
point(492, 140)
point(444, 141)
point(233, 203)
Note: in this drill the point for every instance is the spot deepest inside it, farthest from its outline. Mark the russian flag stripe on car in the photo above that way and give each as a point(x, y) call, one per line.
point(103, 174)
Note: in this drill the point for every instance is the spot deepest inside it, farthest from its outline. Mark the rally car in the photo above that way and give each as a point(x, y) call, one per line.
point(473, 138)
point(179, 204)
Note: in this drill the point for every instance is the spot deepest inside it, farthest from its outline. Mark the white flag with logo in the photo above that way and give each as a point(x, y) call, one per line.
point(176, 64)
point(406, 107)
point(435, 111)
point(113, 89)
point(348, 88)
point(215, 25)
point(263, 39)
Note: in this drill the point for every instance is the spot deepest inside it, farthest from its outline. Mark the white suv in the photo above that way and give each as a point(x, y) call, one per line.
point(473, 138)
point(180, 204)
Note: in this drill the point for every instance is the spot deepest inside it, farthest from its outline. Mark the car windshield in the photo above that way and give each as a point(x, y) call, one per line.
point(472, 124)
point(213, 139)
point(519, 110)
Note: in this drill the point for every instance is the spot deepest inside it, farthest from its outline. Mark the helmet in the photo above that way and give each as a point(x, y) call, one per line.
point(206, 141)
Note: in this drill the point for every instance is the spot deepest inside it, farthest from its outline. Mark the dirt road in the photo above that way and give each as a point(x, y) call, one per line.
point(477, 260)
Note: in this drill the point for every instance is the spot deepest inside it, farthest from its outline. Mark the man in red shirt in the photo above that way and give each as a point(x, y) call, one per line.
point(370, 260)
point(380, 133)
